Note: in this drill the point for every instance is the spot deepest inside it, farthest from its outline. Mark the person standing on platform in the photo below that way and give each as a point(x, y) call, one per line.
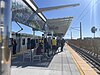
point(39, 49)
point(54, 46)
point(14, 46)
point(50, 46)
point(58, 43)
point(62, 44)
point(46, 47)
point(49, 42)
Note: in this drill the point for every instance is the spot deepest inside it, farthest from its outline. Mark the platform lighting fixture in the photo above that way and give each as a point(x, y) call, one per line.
point(1, 27)
point(2, 3)
point(31, 4)
point(42, 16)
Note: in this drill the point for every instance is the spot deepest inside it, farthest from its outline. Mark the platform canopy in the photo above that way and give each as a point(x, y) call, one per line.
point(26, 12)
point(59, 26)
point(23, 13)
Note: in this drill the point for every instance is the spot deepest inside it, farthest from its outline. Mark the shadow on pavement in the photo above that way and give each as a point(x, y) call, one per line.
point(18, 62)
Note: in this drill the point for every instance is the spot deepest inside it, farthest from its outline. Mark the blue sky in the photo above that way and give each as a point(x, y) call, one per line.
point(89, 17)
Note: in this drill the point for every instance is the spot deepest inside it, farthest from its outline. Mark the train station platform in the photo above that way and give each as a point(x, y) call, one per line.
point(67, 62)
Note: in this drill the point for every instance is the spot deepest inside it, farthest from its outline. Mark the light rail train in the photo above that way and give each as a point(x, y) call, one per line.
point(24, 41)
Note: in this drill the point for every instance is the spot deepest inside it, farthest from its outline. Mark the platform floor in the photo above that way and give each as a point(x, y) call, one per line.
point(61, 64)
point(83, 66)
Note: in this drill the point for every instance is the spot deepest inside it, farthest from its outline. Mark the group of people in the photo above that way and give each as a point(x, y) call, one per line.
point(56, 43)
point(45, 45)
point(50, 45)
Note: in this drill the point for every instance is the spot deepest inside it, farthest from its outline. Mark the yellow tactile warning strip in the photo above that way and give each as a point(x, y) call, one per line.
point(83, 67)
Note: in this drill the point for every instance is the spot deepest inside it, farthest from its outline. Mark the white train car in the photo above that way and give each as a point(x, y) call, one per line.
point(24, 41)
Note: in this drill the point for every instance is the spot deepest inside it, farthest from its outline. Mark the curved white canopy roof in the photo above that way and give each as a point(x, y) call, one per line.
point(59, 26)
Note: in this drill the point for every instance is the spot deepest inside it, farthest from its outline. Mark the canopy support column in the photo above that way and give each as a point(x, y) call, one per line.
point(5, 25)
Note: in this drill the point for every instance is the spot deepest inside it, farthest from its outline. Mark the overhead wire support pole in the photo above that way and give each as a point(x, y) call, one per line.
point(71, 36)
point(80, 31)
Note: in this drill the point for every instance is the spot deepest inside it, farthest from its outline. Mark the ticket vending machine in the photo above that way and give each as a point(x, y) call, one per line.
point(5, 23)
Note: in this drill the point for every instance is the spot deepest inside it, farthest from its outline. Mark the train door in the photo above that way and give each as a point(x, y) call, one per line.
point(33, 44)
point(28, 43)
point(37, 41)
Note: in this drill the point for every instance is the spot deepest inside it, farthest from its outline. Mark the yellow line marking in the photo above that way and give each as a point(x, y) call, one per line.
point(78, 66)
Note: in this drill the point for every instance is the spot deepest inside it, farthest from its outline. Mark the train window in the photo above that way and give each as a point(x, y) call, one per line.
point(23, 41)
point(10, 42)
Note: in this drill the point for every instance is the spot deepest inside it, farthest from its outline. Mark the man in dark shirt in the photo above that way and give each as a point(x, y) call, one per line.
point(62, 44)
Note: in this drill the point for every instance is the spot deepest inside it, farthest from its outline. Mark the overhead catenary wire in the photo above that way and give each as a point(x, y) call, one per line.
point(87, 12)
point(75, 28)
point(82, 12)
point(91, 8)
point(80, 16)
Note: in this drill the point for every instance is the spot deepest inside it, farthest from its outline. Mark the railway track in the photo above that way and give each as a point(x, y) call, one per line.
point(88, 57)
